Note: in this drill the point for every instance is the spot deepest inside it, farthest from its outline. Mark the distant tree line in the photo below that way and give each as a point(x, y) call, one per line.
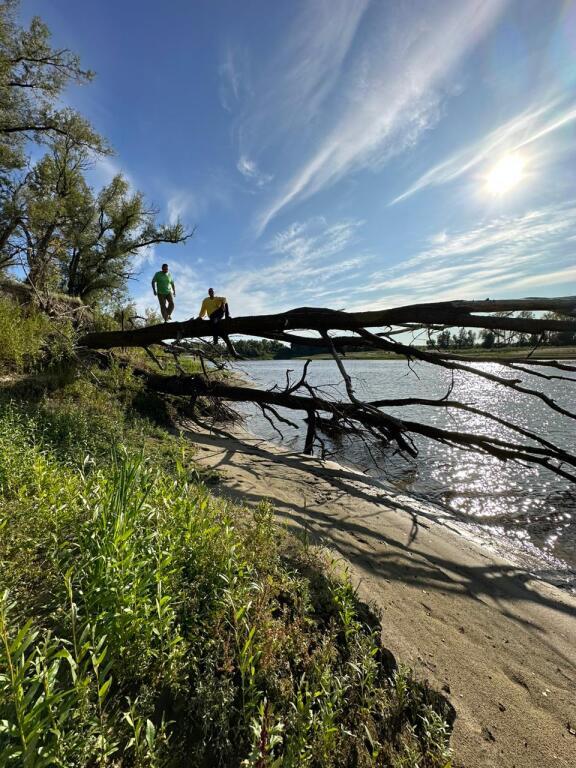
point(64, 234)
point(464, 338)
point(458, 339)
point(259, 348)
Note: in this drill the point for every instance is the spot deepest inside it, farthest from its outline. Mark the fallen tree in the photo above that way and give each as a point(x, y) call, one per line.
point(371, 421)
point(469, 314)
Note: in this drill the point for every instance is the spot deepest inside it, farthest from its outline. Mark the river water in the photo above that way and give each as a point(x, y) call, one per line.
point(524, 512)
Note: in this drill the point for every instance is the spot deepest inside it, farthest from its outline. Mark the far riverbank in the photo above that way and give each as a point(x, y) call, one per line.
point(511, 354)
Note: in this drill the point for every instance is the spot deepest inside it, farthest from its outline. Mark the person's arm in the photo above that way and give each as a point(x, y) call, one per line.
point(173, 286)
point(154, 285)
point(202, 310)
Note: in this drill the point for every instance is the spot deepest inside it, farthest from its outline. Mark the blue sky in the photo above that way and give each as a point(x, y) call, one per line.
point(339, 153)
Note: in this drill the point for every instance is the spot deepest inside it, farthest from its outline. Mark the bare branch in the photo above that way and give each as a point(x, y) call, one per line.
point(370, 421)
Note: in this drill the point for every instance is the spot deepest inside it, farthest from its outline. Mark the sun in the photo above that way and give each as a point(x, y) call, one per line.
point(505, 175)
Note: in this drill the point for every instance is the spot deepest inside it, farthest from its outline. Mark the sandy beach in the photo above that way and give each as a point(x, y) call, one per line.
point(500, 644)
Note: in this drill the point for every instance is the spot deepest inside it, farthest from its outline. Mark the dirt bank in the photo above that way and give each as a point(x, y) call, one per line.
point(501, 644)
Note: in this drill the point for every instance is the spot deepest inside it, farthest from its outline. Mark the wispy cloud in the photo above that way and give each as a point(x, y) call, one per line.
point(313, 240)
point(305, 262)
point(190, 204)
point(234, 77)
point(501, 256)
point(250, 170)
point(293, 86)
point(391, 90)
point(522, 130)
point(179, 204)
point(103, 169)
point(144, 257)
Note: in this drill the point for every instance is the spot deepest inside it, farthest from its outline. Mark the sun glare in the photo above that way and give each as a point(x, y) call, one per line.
point(506, 174)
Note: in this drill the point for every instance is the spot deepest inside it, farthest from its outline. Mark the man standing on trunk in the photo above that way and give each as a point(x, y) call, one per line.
point(163, 287)
point(216, 307)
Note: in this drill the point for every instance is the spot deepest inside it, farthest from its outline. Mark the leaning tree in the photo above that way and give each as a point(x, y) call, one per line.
point(387, 329)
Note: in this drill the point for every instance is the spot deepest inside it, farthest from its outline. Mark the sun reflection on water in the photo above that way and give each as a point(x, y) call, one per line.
point(515, 505)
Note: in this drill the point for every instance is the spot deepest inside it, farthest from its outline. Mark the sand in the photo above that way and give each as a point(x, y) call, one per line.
point(498, 642)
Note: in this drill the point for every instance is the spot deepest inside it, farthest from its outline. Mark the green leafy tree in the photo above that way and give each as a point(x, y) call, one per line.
point(488, 338)
point(32, 76)
point(461, 340)
point(522, 339)
point(259, 348)
point(74, 240)
point(559, 338)
point(444, 340)
point(55, 194)
point(11, 212)
point(101, 245)
point(51, 222)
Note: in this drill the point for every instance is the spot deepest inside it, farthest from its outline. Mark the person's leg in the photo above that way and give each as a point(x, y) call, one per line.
point(213, 323)
point(162, 301)
point(170, 302)
point(215, 318)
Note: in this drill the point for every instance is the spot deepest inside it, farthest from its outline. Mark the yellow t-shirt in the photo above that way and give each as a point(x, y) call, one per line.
point(210, 305)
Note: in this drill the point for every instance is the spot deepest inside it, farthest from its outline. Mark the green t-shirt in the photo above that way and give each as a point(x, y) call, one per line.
point(163, 282)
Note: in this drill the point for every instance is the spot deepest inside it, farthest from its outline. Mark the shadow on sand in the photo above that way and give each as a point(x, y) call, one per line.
point(360, 538)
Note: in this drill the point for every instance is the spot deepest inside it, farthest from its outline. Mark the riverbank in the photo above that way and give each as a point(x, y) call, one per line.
point(510, 354)
point(498, 642)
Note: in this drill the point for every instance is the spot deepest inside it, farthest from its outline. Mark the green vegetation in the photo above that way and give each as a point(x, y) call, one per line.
point(30, 339)
point(464, 341)
point(487, 339)
point(543, 353)
point(143, 620)
point(261, 349)
point(66, 236)
point(146, 622)
point(32, 76)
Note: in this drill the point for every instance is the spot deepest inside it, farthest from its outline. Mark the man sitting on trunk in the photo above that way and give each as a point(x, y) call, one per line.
point(216, 307)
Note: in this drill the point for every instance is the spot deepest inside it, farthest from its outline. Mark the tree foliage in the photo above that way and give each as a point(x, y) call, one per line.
point(33, 74)
point(259, 348)
point(66, 236)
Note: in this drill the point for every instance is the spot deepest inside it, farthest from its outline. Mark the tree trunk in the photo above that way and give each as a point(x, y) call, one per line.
point(453, 313)
point(369, 421)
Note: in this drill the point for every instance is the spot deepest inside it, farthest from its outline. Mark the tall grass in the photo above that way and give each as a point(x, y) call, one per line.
point(144, 622)
point(29, 339)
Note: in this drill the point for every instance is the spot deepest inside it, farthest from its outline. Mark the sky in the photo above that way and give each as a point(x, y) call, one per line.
point(352, 154)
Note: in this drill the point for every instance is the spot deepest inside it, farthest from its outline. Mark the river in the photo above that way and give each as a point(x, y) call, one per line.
point(523, 512)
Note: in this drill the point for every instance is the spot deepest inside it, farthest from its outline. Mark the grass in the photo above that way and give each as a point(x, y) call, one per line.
point(146, 622)
point(30, 340)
